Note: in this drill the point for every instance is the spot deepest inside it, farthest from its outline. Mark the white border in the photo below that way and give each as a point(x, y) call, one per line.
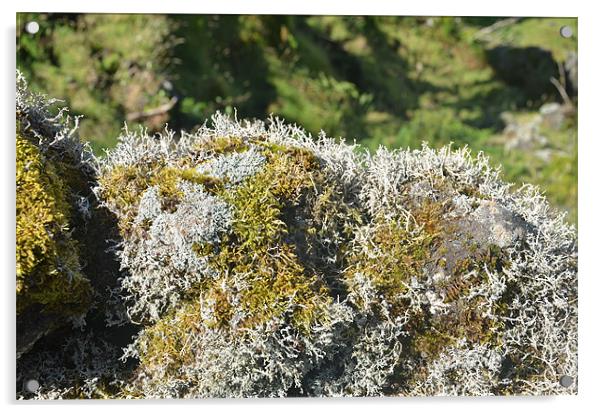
point(590, 203)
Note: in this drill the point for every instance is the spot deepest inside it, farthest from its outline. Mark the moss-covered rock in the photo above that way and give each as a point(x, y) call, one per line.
point(48, 268)
point(262, 262)
point(258, 261)
point(71, 322)
point(52, 179)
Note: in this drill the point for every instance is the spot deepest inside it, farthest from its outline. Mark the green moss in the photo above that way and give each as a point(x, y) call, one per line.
point(259, 253)
point(223, 145)
point(428, 216)
point(48, 268)
point(259, 248)
point(257, 213)
point(167, 180)
point(395, 257)
point(260, 201)
point(163, 342)
point(123, 187)
point(398, 252)
point(431, 342)
point(277, 281)
point(203, 249)
point(463, 319)
point(334, 217)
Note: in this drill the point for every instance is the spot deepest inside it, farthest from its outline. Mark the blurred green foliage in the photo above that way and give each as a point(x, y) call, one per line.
point(394, 81)
point(104, 66)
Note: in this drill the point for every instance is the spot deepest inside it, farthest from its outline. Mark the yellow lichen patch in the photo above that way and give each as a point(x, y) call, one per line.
point(48, 268)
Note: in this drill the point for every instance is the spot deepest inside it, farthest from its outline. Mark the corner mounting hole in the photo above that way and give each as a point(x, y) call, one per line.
point(566, 32)
point(31, 386)
point(32, 27)
point(566, 381)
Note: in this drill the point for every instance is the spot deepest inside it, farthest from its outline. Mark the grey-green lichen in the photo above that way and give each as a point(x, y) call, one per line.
point(259, 261)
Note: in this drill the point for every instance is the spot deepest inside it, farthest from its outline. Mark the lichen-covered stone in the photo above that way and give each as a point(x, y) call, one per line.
point(259, 261)
point(51, 176)
point(348, 273)
point(71, 322)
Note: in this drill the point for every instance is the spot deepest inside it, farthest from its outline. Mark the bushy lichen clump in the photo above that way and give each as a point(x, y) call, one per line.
point(261, 262)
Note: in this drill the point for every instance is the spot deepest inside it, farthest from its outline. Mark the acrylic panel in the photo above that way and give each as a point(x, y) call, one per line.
point(232, 206)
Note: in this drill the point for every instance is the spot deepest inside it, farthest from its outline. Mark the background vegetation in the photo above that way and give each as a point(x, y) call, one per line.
point(393, 81)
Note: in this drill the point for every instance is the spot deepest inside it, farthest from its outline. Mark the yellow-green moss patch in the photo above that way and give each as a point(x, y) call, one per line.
point(48, 266)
